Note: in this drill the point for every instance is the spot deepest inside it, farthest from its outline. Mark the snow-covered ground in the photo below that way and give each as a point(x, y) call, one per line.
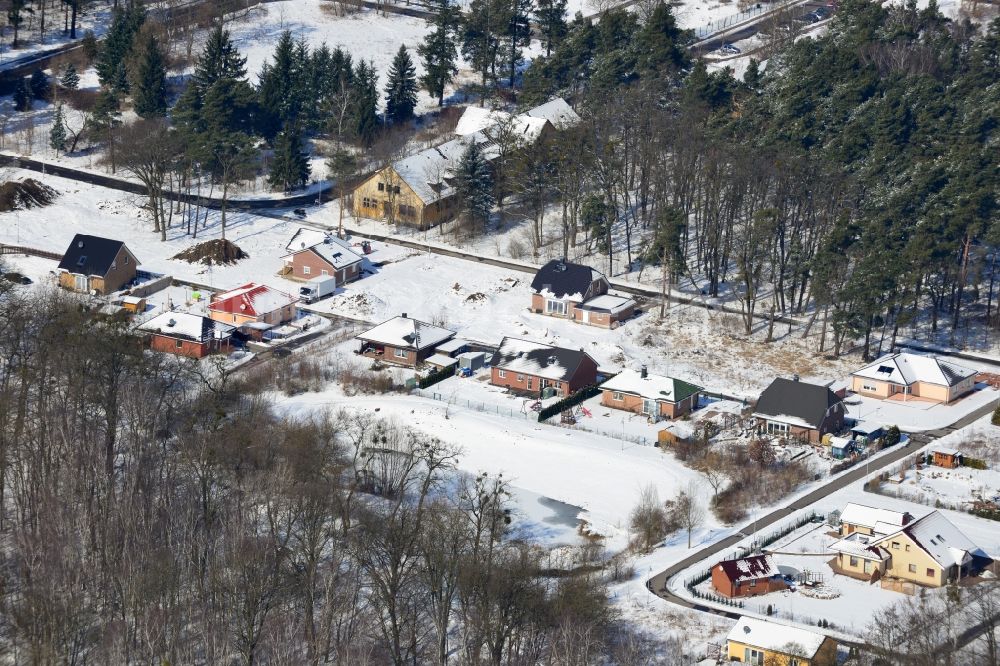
point(93, 16)
point(918, 415)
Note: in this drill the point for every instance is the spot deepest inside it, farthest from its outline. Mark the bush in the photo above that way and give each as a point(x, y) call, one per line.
point(569, 401)
point(996, 416)
point(892, 437)
point(436, 376)
point(974, 463)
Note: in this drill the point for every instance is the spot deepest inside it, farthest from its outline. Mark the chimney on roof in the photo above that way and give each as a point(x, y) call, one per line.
point(643, 372)
point(552, 359)
point(79, 243)
point(404, 315)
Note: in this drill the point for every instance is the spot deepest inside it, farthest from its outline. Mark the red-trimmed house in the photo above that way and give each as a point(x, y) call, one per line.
point(187, 334)
point(403, 341)
point(253, 304)
point(530, 367)
point(747, 576)
point(329, 256)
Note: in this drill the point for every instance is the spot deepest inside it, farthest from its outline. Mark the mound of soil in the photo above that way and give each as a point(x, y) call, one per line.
point(25, 194)
point(212, 252)
point(477, 297)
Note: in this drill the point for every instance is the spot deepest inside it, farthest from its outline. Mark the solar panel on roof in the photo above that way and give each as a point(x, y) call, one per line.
point(886, 369)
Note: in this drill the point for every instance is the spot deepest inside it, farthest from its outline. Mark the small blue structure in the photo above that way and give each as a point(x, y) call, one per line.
point(867, 432)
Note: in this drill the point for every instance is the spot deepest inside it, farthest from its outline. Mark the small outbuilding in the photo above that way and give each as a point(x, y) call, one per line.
point(944, 456)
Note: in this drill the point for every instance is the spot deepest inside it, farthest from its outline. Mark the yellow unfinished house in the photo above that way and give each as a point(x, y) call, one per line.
point(762, 643)
point(929, 551)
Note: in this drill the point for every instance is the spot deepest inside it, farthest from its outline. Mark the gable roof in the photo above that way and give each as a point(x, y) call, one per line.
point(797, 403)
point(252, 300)
point(776, 637)
point(406, 333)
point(539, 359)
point(750, 567)
point(304, 238)
point(939, 538)
point(860, 545)
point(91, 255)
point(334, 251)
point(906, 369)
point(561, 279)
point(187, 326)
point(557, 112)
point(651, 387)
point(427, 173)
point(870, 516)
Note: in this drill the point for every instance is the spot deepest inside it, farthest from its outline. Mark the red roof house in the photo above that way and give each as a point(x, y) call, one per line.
point(253, 304)
point(747, 576)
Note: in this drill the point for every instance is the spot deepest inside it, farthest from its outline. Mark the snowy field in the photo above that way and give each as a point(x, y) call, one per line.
point(918, 415)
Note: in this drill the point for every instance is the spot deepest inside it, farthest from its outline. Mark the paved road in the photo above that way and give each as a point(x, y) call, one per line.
point(658, 584)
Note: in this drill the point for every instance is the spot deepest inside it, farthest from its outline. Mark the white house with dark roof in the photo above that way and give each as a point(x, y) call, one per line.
point(403, 340)
point(530, 367)
point(905, 375)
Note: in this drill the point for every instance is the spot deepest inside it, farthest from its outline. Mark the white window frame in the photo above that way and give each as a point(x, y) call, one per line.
point(307, 270)
point(617, 396)
point(502, 374)
point(555, 307)
point(868, 387)
point(400, 353)
point(520, 378)
point(777, 428)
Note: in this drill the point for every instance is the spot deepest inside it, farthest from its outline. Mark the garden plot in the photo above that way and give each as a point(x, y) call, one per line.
point(955, 488)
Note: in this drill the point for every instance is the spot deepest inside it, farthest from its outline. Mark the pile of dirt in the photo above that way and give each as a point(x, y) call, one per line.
point(213, 252)
point(477, 297)
point(25, 194)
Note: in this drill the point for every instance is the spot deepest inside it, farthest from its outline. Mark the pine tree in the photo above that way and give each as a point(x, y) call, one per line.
point(364, 111)
point(57, 135)
point(117, 47)
point(401, 88)
point(276, 93)
point(480, 39)
point(439, 51)
point(70, 79)
point(220, 59)
point(290, 165)
point(516, 34)
point(74, 8)
point(16, 9)
point(551, 18)
point(474, 187)
point(39, 84)
point(149, 78)
point(22, 96)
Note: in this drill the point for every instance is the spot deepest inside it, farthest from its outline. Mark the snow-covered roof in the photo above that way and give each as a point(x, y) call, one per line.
point(840, 442)
point(906, 368)
point(187, 326)
point(750, 567)
point(860, 545)
point(304, 238)
point(936, 535)
point(608, 303)
point(564, 280)
point(946, 451)
point(651, 387)
point(452, 346)
point(557, 112)
point(406, 333)
point(477, 118)
point(427, 172)
point(252, 300)
point(441, 360)
point(797, 403)
point(538, 359)
point(867, 428)
point(337, 253)
point(776, 637)
point(869, 516)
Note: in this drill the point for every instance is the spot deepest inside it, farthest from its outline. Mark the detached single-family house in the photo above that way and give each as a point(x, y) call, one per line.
point(761, 643)
point(187, 334)
point(573, 291)
point(531, 367)
point(747, 576)
point(944, 456)
point(419, 191)
point(904, 375)
point(654, 395)
point(255, 306)
point(929, 551)
point(330, 256)
point(403, 341)
point(871, 520)
point(792, 408)
point(98, 265)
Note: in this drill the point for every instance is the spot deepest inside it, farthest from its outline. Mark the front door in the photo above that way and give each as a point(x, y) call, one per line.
point(81, 283)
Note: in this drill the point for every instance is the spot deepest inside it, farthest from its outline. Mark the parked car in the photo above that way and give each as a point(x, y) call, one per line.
point(299, 212)
point(730, 49)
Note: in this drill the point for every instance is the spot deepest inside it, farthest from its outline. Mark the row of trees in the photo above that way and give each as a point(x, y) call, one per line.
point(44, 14)
point(157, 511)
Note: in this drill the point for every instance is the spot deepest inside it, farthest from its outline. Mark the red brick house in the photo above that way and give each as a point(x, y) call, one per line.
point(573, 291)
point(403, 341)
point(187, 334)
point(330, 256)
point(530, 367)
point(747, 576)
point(799, 410)
point(654, 395)
point(253, 304)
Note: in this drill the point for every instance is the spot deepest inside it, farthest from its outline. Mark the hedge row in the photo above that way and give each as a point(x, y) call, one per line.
point(436, 376)
point(569, 401)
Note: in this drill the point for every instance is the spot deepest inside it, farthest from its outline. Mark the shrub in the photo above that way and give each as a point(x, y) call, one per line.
point(892, 437)
point(996, 416)
point(437, 376)
point(974, 463)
